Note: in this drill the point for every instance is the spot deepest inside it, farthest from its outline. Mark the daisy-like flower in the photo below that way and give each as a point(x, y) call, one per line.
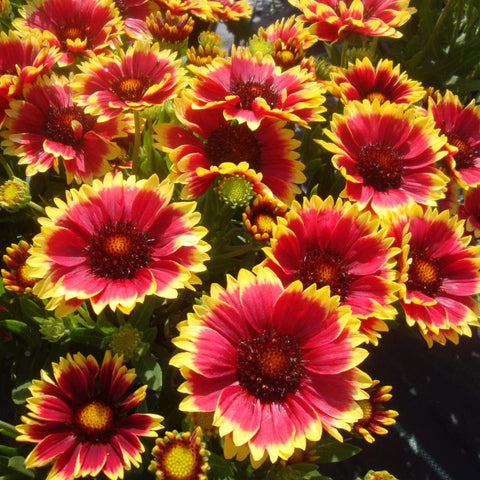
point(387, 155)
point(332, 19)
point(79, 28)
point(180, 456)
point(115, 242)
point(170, 31)
point(470, 210)
point(260, 355)
point(141, 77)
point(202, 9)
point(260, 217)
point(209, 47)
point(47, 126)
point(461, 126)
point(213, 147)
point(384, 82)
point(375, 416)
point(134, 14)
point(305, 245)
point(232, 10)
point(17, 278)
point(249, 88)
point(83, 419)
point(439, 273)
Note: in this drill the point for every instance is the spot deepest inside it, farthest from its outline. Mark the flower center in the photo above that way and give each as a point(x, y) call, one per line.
point(323, 268)
point(264, 222)
point(371, 96)
point(24, 277)
point(11, 192)
point(465, 155)
point(94, 420)
point(367, 409)
point(380, 166)
point(424, 275)
point(131, 89)
point(117, 251)
point(233, 143)
point(270, 366)
point(67, 125)
point(180, 462)
point(249, 91)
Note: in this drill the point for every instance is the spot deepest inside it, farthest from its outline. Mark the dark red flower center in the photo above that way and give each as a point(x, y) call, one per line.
point(323, 268)
point(122, 7)
point(464, 158)
point(233, 143)
point(371, 96)
point(72, 32)
point(270, 366)
point(250, 90)
point(117, 251)
point(67, 125)
point(94, 421)
point(380, 166)
point(131, 89)
point(424, 274)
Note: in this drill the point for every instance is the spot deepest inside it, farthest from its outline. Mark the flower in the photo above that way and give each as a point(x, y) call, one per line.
point(385, 82)
point(470, 210)
point(235, 190)
point(141, 77)
point(209, 44)
point(439, 273)
point(134, 14)
point(260, 217)
point(14, 195)
point(379, 475)
point(326, 243)
point(47, 126)
point(18, 277)
point(82, 419)
point(79, 28)
point(114, 243)
point(333, 19)
point(170, 31)
point(232, 10)
point(387, 155)
point(198, 8)
point(126, 340)
point(213, 147)
point(180, 456)
point(249, 88)
point(375, 416)
point(461, 125)
point(260, 355)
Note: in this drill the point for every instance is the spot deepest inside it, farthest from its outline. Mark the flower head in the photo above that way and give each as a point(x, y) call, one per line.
point(18, 277)
point(126, 340)
point(387, 155)
point(169, 30)
point(115, 242)
point(180, 456)
point(83, 419)
point(470, 210)
point(141, 77)
point(439, 273)
point(260, 217)
point(232, 10)
point(259, 355)
point(79, 28)
point(14, 195)
point(250, 87)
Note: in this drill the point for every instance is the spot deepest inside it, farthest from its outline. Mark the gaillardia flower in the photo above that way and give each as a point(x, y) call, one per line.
point(439, 273)
point(259, 355)
point(251, 87)
point(332, 19)
point(79, 28)
point(358, 268)
point(213, 147)
point(83, 419)
point(180, 456)
point(461, 126)
point(47, 126)
point(260, 217)
point(141, 77)
point(17, 278)
point(384, 82)
point(115, 242)
point(387, 155)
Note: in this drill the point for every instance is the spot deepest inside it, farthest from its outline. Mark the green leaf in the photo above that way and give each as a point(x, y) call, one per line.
point(220, 469)
point(31, 308)
point(19, 328)
point(330, 450)
point(21, 392)
point(141, 315)
point(88, 336)
point(18, 465)
point(149, 372)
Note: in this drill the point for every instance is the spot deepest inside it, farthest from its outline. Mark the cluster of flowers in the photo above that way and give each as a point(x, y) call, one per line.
point(192, 169)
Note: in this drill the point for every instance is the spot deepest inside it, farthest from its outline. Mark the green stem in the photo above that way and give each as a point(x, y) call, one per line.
point(37, 207)
point(344, 54)
point(136, 142)
point(236, 252)
point(9, 428)
point(7, 167)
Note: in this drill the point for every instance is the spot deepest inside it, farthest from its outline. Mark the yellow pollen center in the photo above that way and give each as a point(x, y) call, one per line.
point(94, 417)
point(367, 410)
point(327, 273)
point(376, 95)
point(24, 275)
point(11, 192)
point(425, 272)
point(264, 222)
point(118, 245)
point(273, 362)
point(179, 463)
point(72, 32)
point(130, 87)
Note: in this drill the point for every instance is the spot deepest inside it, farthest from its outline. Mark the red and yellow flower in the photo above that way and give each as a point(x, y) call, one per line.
point(79, 28)
point(17, 278)
point(134, 14)
point(213, 147)
point(141, 77)
point(332, 19)
point(470, 210)
point(83, 419)
point(363, 81)
point(259, 355)
point(114, 243)
point(202, 9)
point(439, 273)
point(326, 243)
point(231, 10)
point(47, 126)
point(387, 154)
point(461, 126)
point(250, 88)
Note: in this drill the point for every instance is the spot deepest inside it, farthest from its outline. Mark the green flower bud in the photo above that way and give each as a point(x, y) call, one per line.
point(14, 195)
point(235, 190)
